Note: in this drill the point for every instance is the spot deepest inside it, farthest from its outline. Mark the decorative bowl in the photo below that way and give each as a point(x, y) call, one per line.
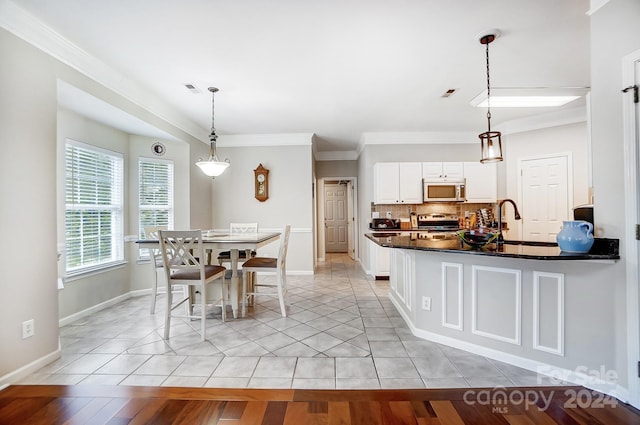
point(477, 238)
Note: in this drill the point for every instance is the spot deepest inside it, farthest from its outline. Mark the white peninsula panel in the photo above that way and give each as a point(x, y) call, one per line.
point(544, 316)
point(496, 303)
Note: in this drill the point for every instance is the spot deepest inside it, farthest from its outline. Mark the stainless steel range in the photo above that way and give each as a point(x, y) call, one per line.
point(438, 221)
point(438, 239)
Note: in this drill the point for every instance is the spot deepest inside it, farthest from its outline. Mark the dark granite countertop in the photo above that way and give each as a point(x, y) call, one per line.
point(603, 249)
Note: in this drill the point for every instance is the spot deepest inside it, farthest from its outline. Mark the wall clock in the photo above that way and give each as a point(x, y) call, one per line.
point(261, 180)
point(158, 148)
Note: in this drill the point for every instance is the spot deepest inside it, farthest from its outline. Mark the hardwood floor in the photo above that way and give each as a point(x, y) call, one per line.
point(116, 405)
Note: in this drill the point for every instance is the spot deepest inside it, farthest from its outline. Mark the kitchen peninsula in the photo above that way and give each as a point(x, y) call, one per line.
point(523, 303)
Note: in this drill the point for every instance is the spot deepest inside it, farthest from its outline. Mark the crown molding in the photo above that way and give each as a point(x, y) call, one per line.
point(25, 26)
point(253, 140)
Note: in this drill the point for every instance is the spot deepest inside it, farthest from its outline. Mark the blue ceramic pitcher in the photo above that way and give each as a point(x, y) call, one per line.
point(576, 236)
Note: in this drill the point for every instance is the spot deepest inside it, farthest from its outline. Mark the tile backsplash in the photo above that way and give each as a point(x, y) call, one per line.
point(404, 211)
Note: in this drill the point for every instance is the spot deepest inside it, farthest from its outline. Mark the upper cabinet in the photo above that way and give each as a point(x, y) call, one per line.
point(401, 182)
point(397, 183)
point(442, 170)
point(386, 183)
point(481, 182)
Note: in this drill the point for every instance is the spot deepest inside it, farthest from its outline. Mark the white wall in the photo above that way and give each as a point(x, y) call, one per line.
point(336, 169)
point(558, 139)
point(615, 33)
point(29, 212)
point(290, 196)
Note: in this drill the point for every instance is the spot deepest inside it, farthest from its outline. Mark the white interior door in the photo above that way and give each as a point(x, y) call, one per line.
point(631, 116)
point(545, 197)
point(350, 221)
point(335, 217)
point(635, 378)
point(635, 385)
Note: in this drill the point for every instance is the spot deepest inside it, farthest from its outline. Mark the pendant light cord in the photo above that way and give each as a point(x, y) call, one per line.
point(488, 91)
point(213, 137)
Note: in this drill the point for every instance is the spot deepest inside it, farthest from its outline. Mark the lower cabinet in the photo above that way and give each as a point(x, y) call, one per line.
point(402, 276)
point(380, 258)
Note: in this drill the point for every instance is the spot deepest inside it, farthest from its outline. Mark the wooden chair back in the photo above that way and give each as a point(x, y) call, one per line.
point(243, 227)
point(181, 251)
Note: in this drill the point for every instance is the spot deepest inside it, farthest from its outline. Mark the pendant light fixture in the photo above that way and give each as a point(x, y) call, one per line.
point(490, 141)
point(213, 167)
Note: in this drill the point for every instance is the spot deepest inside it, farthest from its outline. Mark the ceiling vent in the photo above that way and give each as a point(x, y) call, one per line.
point(193, 89)
point(448, 93)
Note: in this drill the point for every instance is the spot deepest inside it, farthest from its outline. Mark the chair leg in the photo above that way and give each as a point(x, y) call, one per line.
point(203, 311)
point(154, 290)
point(223, 289)
point(244, 292)
point(281, 283)
point(190, 292)
point(167, 315)
point(253, 281)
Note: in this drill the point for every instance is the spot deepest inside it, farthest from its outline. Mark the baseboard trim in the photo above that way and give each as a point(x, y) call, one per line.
point(26, 370)
point(93, 309)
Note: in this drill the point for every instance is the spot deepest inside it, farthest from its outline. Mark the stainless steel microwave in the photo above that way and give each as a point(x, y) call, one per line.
point(441, 190)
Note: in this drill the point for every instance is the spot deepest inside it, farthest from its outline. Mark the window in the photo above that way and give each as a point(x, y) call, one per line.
point(155, 200)
point(94, 208)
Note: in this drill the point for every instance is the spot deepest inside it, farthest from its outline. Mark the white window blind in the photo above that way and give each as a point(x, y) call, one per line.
point(155, 200)
point(94, 208)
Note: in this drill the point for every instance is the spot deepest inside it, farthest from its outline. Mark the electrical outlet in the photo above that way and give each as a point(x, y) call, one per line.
point(28, 329)
point(426, 303)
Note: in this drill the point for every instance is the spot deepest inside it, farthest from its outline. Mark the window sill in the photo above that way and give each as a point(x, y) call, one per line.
point(94, 271)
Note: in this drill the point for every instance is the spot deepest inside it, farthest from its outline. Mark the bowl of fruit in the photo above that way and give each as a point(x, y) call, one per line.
point(477, 238)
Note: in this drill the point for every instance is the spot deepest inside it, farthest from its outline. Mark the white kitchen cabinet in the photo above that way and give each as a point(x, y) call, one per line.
point(386, 183)
point(380, 260)
point(442, 170)
point(410, 183)
point(481, 182)
point(397, 183)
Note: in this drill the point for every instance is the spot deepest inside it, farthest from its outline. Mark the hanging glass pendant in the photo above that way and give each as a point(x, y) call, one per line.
point(490, 141)
point(491, 146)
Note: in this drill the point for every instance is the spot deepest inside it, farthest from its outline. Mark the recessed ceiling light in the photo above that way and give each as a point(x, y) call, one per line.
point(529, 97)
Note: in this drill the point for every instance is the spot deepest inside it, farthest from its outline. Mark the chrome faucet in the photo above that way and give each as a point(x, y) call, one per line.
point(500, 239)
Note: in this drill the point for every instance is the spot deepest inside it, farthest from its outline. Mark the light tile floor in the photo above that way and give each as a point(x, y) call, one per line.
point(341, 332)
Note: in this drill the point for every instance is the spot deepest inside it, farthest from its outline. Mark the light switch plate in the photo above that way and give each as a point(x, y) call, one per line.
point(28, 329)
point(426, 303)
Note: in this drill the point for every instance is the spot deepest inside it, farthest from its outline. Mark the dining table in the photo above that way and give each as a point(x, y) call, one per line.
point(234, 243)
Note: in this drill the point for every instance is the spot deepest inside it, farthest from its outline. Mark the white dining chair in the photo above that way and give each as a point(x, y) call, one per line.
point(225, 256)
point(151, 232)
point(271, 265)
point(181, 253)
